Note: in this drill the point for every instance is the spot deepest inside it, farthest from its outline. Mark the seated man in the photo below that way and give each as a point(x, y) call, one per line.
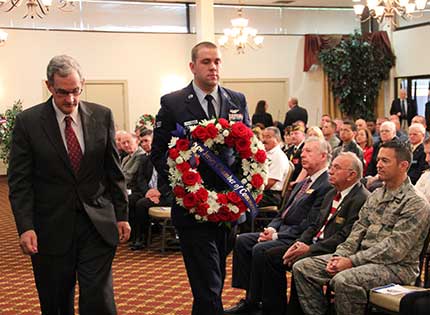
point(383, 247)
point(347, 134)
point(295, 150)
point(145, 136)
point(302, 210)
point(417, 133)
point(423, 184)
point(118, 143)
point(131, 162)
point(148, 190)
point(339, 211)
point(278, 167)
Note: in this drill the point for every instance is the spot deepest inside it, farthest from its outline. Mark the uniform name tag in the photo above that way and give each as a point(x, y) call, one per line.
point(190, 123)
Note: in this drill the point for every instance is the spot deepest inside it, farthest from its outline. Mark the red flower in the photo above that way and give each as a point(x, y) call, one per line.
point(260, 156)
point(222, 199)
point(190, 178)
point(200, 133)
point(259, 197)
point(185, 166)
point(213, 217)
point(182, 144)
point(245, 154)
point(212, 131)
point(224, 123)
point(233, 197)
point(173, 153)
point(202, 194)
point(189, 200)
point(240, 130)
point(229, 141)
point(257, 180)
point(242, 207)
point(224, 213)
point(179, 191)
point(242, 144)
point(202, 209)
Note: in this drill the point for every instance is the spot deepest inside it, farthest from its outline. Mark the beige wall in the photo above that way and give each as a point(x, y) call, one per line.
point(412, 48)
point(146, 61)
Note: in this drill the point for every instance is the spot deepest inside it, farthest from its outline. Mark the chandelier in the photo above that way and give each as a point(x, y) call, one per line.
point(241, 35)
point(389, 9)
point(3, 37)
point(37, 8)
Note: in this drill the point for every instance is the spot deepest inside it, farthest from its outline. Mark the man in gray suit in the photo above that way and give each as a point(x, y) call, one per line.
point(68, 195)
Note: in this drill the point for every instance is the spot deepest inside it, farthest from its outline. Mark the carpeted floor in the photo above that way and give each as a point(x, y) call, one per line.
point(146, 282)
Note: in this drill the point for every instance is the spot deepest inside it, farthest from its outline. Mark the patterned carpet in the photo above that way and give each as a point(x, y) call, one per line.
point(145, 282)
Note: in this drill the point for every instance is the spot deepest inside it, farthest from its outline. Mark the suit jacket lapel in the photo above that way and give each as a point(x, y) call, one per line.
point(53, 133)
point(346, 198)
point(227, 103)
point(89, 130)
point(192, 103)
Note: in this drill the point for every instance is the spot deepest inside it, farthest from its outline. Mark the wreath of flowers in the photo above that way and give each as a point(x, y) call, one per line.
point(145, 121)
point(187, 184)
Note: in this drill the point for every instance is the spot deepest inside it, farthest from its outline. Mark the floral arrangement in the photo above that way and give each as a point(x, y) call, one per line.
point(7, 122)
point(146, 121)
point(187, 184)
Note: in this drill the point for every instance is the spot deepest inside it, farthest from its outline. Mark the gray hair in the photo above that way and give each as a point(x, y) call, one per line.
point(390, 125)
point(62, 65)
point(276, 132)
point(324, 146)
point(419, 127)
point(356, 164)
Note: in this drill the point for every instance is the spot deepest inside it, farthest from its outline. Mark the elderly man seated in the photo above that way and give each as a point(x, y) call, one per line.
point(383, 247)
point(339, 211)
point(302, 210)
point(130, 164)
point(278, 167)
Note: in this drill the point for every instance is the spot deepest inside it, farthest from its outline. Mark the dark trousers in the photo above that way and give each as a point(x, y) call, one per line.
point(248, 263)
point(204, 249)
point(274, 295)
point(90, 260)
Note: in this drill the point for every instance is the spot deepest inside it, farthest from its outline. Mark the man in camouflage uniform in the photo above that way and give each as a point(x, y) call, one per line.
point(383, 247)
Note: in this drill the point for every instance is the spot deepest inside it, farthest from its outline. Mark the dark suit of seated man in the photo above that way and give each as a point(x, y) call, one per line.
point(302, 210)
point(339, 211)
point(148, 190)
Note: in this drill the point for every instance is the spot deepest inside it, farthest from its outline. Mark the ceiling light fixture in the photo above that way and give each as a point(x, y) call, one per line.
point(38, 8)
point(390, 9)
point(241, 35)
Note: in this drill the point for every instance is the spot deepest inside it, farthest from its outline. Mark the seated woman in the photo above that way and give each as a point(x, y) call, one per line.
point(365, 140)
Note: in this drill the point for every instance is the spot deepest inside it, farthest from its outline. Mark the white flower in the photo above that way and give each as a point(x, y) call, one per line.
point(218, 126)
point(234, 209)
point(254, 150)
point(193, 188)
point(226, 133)
point(244, 181)
point(209, 143)
point(172, 142)
point(179, 160)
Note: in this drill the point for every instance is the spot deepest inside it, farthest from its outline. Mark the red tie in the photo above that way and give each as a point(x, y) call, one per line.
point(73, 147)
point(300, 193)
point(333, 209)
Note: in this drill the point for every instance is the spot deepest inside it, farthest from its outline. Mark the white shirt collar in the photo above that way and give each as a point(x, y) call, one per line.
point(346, 191)
point(315, 176)
point(60, 115)
point(201, 94)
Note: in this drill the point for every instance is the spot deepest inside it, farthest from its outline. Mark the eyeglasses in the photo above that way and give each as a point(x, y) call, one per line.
point(62, 92)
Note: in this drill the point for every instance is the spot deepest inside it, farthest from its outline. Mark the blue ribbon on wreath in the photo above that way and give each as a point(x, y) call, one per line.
point(227, 176)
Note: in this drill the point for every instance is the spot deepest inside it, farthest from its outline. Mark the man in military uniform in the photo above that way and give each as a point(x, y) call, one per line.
point(383, 247)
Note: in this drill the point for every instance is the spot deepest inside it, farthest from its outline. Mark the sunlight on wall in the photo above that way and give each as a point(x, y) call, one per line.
point(172, 83)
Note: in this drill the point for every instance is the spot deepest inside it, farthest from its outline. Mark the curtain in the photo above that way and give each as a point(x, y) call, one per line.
point(315, 43)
